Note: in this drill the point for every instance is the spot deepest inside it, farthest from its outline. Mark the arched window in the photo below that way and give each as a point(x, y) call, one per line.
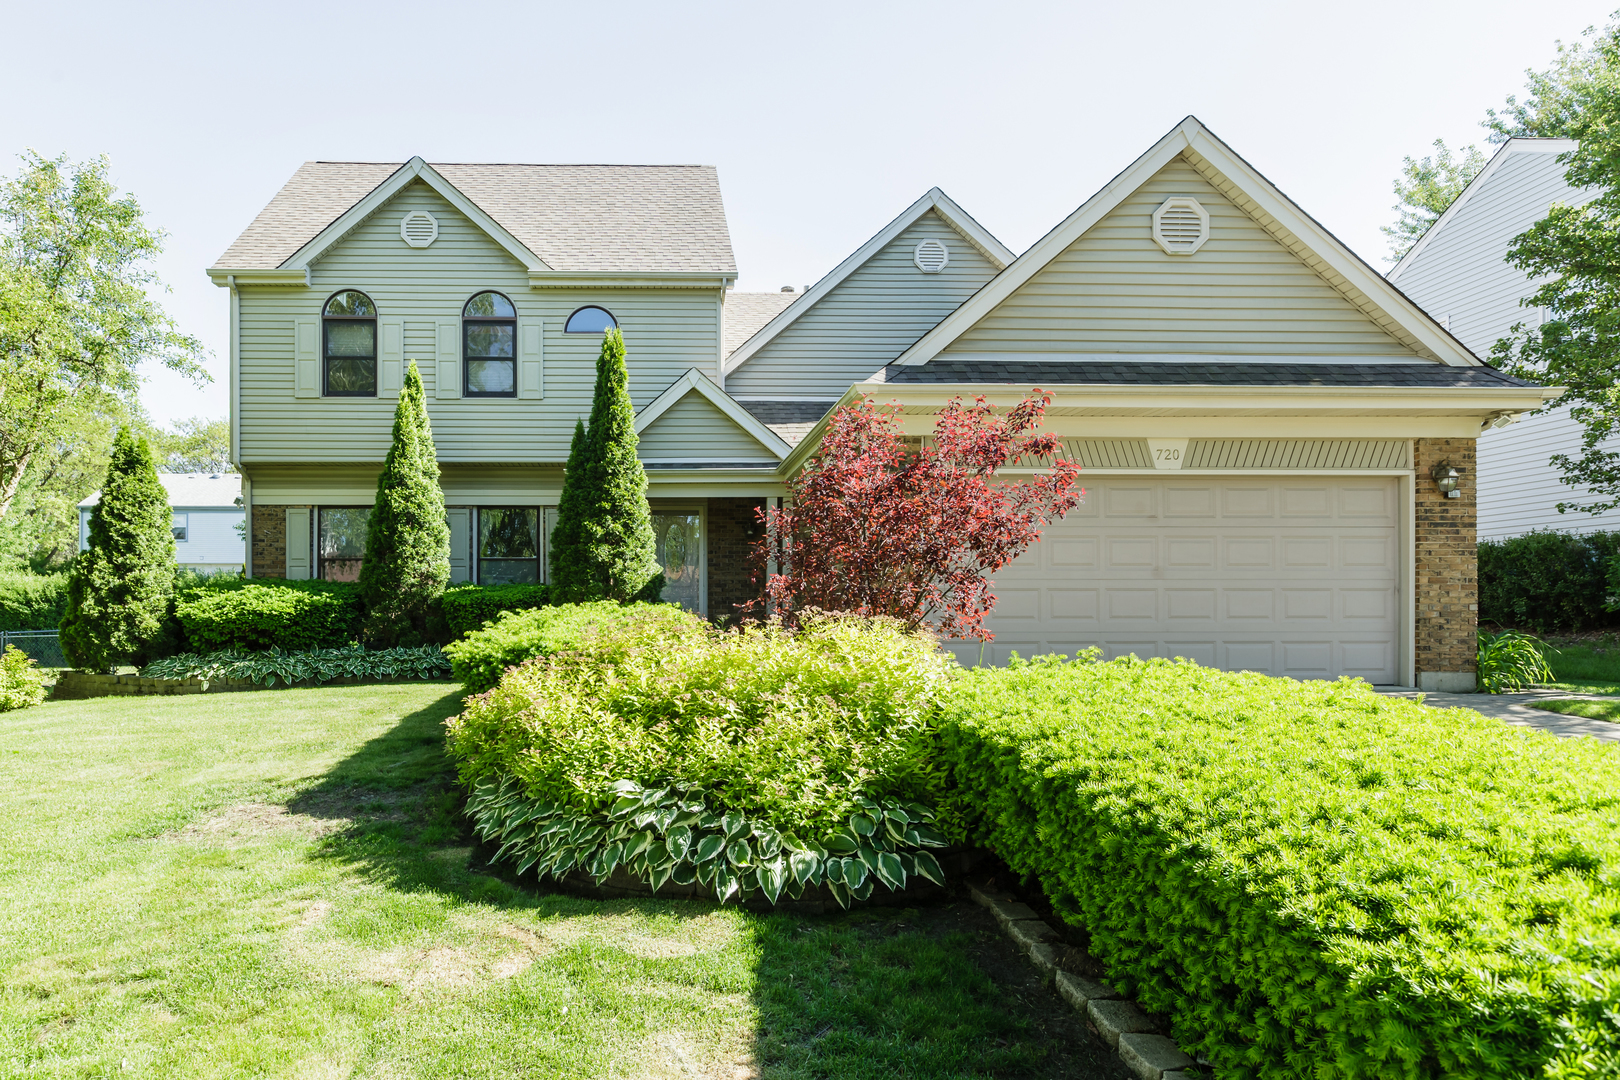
point(349, 345)
point(489, 346)
point(590, 320)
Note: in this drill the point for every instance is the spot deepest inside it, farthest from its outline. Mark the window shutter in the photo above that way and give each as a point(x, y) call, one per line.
point(390, 356)
point(307, 357)
point(548, 521)
point(532, 358)
point(297, 543)
point(447, 380)
point(460, 519)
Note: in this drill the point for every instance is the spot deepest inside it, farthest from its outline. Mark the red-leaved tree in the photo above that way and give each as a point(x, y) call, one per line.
point(875, 527)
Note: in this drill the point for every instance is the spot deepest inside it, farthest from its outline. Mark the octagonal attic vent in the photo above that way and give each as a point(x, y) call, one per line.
point(419, 228)
point(931, 256)
point(1180, 226)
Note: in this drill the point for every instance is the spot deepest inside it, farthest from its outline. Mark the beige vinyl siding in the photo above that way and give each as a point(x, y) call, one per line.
point(870, 318)
point(356, 485)
point(693, 429)
point(1115, 291)
point(666, 332)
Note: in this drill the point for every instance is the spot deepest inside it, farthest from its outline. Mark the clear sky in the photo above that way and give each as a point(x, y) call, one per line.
point(825, 119)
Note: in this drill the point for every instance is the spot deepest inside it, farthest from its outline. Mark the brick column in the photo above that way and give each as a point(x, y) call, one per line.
point(267, 531)
point(733, 530)
point(1446, 586)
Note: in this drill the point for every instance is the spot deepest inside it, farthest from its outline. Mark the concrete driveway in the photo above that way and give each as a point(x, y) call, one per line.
point(1514, 709)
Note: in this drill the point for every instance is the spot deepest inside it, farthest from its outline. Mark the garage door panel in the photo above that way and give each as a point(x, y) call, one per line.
point(1289, 576)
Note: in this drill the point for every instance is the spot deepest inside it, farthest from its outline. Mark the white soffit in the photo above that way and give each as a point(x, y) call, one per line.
point(1235, 178)
point(936, 200)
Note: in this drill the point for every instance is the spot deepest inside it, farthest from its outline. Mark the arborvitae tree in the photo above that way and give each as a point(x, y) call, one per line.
point(602, 547)
point(407, 561)
point(119, 591)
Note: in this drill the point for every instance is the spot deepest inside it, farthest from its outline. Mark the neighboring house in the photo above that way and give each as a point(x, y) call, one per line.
point(207, 521)
point(1258, 412)
point(1458, 272)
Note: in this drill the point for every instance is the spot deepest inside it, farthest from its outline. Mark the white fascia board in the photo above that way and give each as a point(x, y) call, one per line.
point(935, 200)
point(1512, 146)
point(1191, 135)
point(222, 275)
point(696, 380)
point(413, 169)
point(626, 279)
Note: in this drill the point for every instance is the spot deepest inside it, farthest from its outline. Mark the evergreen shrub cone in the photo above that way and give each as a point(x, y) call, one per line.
point(120, 589)
point(407, 560)
point(602, 547)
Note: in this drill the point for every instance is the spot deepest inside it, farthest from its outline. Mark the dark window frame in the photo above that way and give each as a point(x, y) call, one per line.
point(326, 345)
point(478, 543)
point(320, 559)
point(467, 323)
point(614, 319)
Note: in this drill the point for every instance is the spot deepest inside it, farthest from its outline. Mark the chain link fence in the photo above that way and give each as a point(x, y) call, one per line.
point(44, 646)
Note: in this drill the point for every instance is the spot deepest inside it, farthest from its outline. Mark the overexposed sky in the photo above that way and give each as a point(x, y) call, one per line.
point(825, 119)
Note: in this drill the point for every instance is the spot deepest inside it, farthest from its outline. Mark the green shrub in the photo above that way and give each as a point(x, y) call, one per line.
point(1308, 877)
point(469, 607)
point(32, 601)
point(21, 682)
point(789, 728)
point(314, 665)
point(1547, 582)
point(255, 615)
point(1510, 661)
point(482, 656)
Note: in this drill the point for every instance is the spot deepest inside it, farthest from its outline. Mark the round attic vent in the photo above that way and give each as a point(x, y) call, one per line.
point(419, 228)
point(931, 256)
point(1180, 226)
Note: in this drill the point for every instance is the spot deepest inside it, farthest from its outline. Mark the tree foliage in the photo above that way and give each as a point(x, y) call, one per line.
point(603, 546)
point(1425, 188)
point(873, 527)
point(76, 317)
point(197, 445)
point(407, 560)
point(119, 591)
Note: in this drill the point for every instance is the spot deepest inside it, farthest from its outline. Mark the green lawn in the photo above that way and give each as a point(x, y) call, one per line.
point(1586, 667)
point(1596, 710)
point(277, 885)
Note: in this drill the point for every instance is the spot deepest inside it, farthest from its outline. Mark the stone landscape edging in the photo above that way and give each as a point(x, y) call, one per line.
point(1127, 1030)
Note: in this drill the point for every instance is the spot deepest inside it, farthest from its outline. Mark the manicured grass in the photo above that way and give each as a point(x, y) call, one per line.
point(278, 885)
point(1585, 663)
point(1596, 710)
point(1571, 687)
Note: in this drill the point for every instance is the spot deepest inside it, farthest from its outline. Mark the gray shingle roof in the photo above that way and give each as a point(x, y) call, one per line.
point(197, 490)
point(792, 420)
point(748, 312)
point(625, 218)
point(1125, 372)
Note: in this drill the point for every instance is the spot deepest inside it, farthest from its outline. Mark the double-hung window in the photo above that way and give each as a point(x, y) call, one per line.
point(489, 346)
point(509, 545)
point(349, 345)
point(341, 542)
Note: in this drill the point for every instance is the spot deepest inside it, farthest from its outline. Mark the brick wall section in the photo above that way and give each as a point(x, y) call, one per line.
point(269, 531)
point(1447, 594)
point(733, 530)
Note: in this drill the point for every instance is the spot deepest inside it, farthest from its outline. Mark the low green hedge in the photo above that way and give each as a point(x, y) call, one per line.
point(469, 607)
point(256, 615)
point(1550, 582)
point(314, 665)
point(1307, 877)
point(512, 637)
point(32, 601)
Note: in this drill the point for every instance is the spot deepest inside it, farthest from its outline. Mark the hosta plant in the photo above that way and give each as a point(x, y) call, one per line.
point(1510, 661)
point(671, 834)
point(315, 665)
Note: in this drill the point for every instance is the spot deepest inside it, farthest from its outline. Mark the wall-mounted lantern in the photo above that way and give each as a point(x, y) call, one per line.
point(1447, 479)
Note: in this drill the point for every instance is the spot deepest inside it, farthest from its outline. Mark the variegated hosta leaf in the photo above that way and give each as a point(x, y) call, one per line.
point(709, 847)
point(890, 871)
point(738, 853)
point(770, 843)
point(839, 892)
point(862, 825)
point(684, 873)
point(734, 825)
point(803, 865)
point(928, 867)
point(855, 873)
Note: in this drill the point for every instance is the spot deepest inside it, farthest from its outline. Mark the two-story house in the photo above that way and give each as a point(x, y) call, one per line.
point(1278, 445)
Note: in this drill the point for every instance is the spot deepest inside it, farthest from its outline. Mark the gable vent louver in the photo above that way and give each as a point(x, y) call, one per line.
point(419, 228)
point(931, 256)
point(1180, 226)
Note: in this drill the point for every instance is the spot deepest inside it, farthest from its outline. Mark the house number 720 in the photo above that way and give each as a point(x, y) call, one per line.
point(1167, 453)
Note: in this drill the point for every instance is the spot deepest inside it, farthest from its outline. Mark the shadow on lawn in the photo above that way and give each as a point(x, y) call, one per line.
point(933, 991)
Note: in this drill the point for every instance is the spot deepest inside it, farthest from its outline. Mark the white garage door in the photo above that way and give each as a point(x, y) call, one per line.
point(1289, 576)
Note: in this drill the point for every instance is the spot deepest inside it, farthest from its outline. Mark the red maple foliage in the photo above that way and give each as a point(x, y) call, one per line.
point(876, 528)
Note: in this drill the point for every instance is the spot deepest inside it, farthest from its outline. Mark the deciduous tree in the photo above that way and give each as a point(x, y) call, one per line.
point(874, 527)
point(603, 546)
point(120, 589)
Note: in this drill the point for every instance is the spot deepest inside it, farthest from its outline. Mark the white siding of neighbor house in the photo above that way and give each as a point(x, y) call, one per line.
point(867, 320)
point(211, 542)
point(667, 331)
point(1462, 278)
point(1115, 291)
point(693, 429)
